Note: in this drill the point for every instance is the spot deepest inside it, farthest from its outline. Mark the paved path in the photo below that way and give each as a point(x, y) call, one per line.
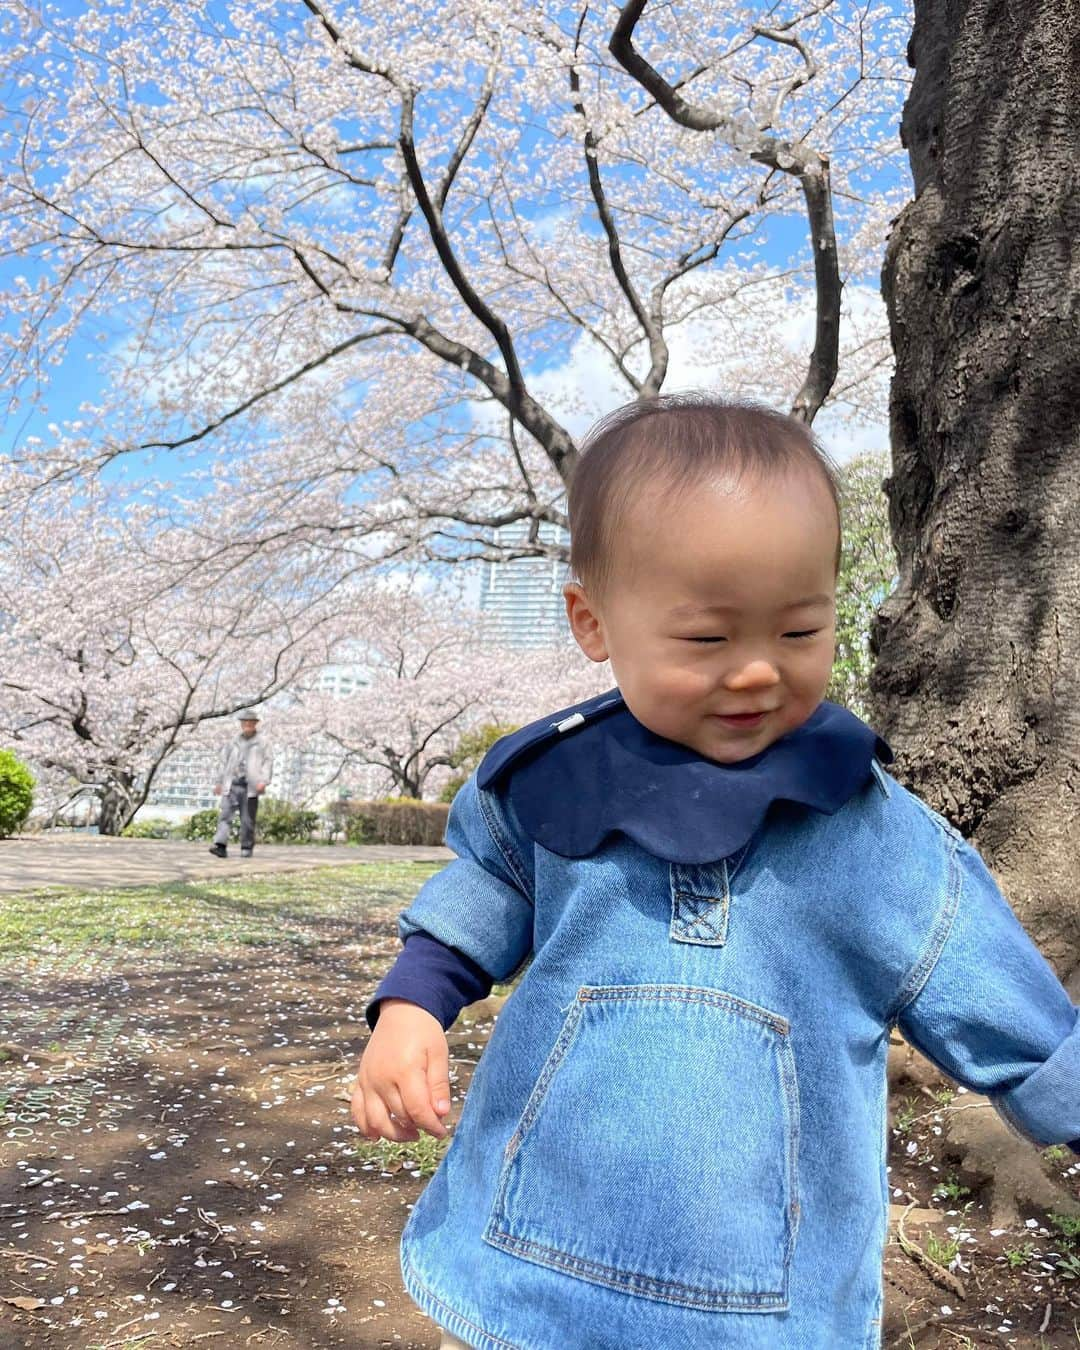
point(34, 862)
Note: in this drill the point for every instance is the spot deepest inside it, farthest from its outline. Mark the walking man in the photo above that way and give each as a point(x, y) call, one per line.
point(246, 767)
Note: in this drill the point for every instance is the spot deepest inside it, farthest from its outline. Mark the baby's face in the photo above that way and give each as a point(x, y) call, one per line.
point(721, 601)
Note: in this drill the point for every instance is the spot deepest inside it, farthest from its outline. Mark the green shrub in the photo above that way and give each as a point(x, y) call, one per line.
point(16, 793)
point(203, 824)
point(402, 820)
point(335, 819)
point(153, 827)
point(279, 822)
point(467, 754)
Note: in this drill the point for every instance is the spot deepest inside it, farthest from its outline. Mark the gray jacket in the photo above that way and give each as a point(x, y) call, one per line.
point(249, 758)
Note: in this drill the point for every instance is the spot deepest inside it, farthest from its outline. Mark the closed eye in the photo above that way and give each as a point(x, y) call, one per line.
point(808, 633)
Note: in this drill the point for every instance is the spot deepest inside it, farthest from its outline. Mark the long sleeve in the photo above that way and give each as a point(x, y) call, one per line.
point(224, 766)
point(471, 923)
point(435, 977)
point(480, 904)
point(989, 1010)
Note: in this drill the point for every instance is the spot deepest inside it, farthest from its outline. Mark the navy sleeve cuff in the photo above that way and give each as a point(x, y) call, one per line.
point(437, 978)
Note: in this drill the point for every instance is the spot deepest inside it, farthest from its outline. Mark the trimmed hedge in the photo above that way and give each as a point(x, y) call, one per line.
point(16, 793)
point(400, 821)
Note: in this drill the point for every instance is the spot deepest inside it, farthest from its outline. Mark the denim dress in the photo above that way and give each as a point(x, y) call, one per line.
point(675, 1138)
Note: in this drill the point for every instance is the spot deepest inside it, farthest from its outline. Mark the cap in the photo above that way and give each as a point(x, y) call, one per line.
point(247, 715)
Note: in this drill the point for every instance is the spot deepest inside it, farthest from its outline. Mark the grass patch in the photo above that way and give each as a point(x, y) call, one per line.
point(950, 1189)
point(943, 1253)
point(905, 1115)
point(1067, 1225)
point(203, 915)
point(419, 1158)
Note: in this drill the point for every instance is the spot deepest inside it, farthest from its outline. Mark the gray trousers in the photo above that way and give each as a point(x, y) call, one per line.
point(237, 799)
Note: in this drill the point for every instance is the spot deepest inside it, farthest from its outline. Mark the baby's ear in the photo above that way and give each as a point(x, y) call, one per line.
point(585, 622)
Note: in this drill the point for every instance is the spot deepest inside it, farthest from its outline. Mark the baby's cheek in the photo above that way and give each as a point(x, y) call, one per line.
point(686, 688)
point(795, 712)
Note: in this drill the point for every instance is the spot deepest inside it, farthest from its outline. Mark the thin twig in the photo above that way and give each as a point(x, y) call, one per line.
point(85, 1214)
point(951, 1111)
point(266, 1169)
point(937, 1272)
point(25, 1256)
point(45, 1176)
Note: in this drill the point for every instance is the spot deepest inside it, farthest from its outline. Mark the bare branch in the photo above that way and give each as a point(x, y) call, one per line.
point(795, 158)
point(651, 323)
point(274, 388)
point(510, 389)
point(468, 135)
point(357, 62)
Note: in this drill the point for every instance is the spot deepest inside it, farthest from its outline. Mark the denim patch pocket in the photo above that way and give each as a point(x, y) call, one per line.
point(657, 1151)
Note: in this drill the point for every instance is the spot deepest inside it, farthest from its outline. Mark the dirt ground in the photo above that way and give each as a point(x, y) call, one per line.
point(177, 1166)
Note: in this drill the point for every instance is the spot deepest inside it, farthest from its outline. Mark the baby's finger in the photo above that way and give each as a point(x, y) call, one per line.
point(400, 1113)
point(356, 1108)
point(438, 1080)
point(417, 1102)
point(380, 1126)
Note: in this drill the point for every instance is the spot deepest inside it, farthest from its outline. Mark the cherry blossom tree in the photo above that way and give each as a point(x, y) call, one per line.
point(113, 654)
point(389, 259)
point(432, 677)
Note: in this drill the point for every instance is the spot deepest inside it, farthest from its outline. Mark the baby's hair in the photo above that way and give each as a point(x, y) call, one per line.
point(678, 440)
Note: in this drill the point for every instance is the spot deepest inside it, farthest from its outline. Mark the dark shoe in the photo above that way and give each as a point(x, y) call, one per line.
point(219, 850)
point(245, 853)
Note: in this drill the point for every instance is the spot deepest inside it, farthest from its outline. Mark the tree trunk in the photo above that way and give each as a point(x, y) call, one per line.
point(116, 807)
point(977, 681)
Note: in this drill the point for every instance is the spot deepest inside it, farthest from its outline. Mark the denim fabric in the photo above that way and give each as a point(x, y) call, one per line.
point(676, 1135)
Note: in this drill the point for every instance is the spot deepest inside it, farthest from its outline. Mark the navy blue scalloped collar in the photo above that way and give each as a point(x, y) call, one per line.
point(593, 770)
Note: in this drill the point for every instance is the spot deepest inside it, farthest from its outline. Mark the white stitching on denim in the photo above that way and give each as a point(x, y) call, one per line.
point(631, 1281)
point(700, 901)
point(489, 811)
point(627, 1282)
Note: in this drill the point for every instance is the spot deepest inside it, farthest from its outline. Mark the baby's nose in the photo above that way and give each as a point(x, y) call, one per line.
point(753, 673)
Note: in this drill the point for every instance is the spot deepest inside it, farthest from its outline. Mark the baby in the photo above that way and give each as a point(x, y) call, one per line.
point(675, 1139)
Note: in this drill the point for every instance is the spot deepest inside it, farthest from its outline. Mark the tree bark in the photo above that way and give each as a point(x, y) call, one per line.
point(977, 678)
point(115, 806)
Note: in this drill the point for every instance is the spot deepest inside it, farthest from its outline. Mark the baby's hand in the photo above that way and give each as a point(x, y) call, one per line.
point(403, 1083)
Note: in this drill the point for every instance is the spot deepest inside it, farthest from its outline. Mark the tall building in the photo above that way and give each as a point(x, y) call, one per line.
point(521, 600)
point(184, 783)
